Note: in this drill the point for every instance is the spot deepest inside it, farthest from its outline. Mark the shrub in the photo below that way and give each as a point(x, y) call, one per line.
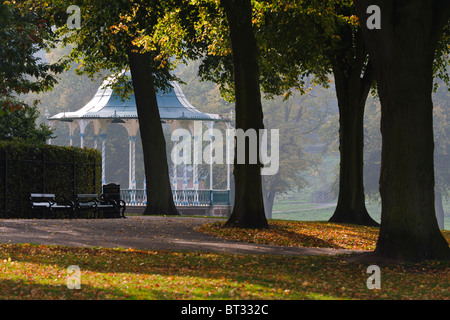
point(63, 171)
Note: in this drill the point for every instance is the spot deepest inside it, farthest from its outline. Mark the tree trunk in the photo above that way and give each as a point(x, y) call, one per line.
point(248, 210)
point(439, 209)
point(402, 52)
point(159, 193)
point(352, 92)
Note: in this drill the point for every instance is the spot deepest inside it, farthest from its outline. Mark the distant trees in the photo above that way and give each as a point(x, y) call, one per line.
point(300, 120)
point(323, 38)
point(441, 115)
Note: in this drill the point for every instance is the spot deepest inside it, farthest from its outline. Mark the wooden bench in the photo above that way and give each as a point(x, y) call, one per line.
point(109, 208)
point(46, 203)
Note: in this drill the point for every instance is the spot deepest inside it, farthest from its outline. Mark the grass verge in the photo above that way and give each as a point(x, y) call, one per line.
point(40, 272)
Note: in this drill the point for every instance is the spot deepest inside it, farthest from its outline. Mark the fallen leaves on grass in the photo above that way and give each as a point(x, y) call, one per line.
point(39, 272)
point(302, 234)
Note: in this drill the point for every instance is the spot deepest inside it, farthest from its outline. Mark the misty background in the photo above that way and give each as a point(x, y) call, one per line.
point(306, 185)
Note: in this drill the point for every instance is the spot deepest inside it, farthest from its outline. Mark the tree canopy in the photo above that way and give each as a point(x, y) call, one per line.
point(24, 35)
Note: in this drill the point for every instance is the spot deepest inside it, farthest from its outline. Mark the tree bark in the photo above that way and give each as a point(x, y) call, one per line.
point(159, 193)
point(402, 52)
point(248, 210)
point(352, 91)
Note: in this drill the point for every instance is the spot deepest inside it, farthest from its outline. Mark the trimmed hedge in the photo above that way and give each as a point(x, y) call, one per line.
point(63, 171)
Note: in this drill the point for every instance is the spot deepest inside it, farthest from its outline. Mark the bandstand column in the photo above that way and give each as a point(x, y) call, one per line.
point(132, 126)
point(185, 178)
point(197, 130)
point(72, 127)
point(97, 127)
point(82, 124)
point(132, 162)
point(96, 138)
point(229, 149)
point(103, 136)
point(173, 124)
point(175, 183)
point(100, 127)
point(210, 125)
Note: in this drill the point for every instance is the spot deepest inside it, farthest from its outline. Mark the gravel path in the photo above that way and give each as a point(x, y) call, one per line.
point(143, 232)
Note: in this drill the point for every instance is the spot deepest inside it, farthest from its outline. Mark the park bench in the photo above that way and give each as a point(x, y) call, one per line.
point(86, 202)
point(46, 204)
point(102, 206)
point(111, 208)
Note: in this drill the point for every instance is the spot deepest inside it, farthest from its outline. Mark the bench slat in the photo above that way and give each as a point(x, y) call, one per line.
point(42, 195)
point(93, 195)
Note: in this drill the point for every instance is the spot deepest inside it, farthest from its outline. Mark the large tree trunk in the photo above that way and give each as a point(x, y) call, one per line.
point(402, 52)
point(248, 210)
point(352, 91)
point(159, 193)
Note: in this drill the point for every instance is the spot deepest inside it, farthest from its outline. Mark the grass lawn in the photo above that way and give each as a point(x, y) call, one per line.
point(295, 204)
point(40, 272)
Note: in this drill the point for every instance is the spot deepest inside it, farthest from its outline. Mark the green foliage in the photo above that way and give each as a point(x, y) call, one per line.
point(108, 32)
point(19, 124)
point(442, 59)
point(71, 93)
point(24, 33)
point(27, 168)
point(296, 39)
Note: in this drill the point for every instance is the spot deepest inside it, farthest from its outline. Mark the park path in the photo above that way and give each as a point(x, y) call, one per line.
point(141, 233)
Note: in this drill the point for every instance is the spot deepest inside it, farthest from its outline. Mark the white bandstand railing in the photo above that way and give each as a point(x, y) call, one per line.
point(180, 197)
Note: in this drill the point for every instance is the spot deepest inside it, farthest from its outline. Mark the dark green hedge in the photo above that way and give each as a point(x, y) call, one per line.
point(63, 171)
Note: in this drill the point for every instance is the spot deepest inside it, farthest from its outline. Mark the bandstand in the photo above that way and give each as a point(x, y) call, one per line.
point(108, 108)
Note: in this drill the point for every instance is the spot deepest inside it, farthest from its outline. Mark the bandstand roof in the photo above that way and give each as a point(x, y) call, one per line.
point(107, 104)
